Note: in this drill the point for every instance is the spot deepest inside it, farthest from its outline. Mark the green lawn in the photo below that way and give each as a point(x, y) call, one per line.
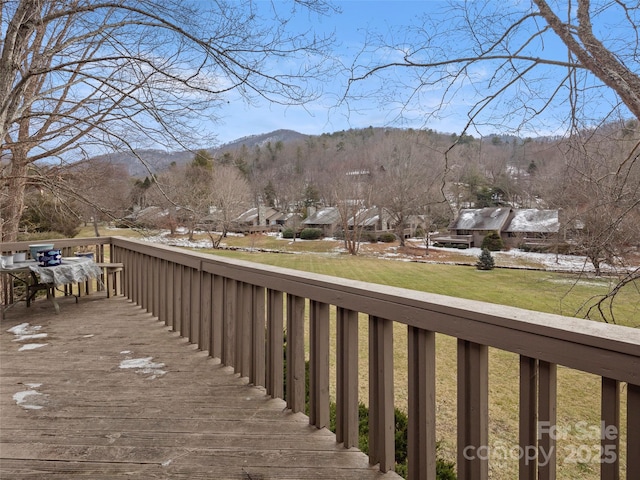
point(558, 293)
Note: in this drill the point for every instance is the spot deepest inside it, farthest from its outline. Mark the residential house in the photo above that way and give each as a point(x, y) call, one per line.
point(287, 220)
point(148, 217)
point(531, 228)
point(517, 227)
point(326, 219)
point(372, 219)
point(473, 224)
point(256, 219)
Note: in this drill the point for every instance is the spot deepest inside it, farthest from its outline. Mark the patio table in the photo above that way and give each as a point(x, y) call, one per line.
point(71, 270)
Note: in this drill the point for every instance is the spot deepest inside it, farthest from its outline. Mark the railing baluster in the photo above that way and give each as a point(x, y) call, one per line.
point(633, 431)
point(148, 284)
point(229, 324)
point(319, 364)
point(473, 410)
point(205, 311)
point(155, 293)
point(137, 278)
point(347, 378)
point(244, 331)
point(258, 337)
point(194, 312)
point(295, 353)
point(185, 323)
point(173, 298)
point(381, 407)
point(275, 343)
point(528, 423)
point(162, 292)
point(421, 446)
point(177, 297)
point(610, 434)
point(547, 398)
point(217, 317)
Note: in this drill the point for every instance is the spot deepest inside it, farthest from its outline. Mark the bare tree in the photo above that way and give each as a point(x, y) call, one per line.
point(506, 64)
point(101, 188)
point(409, 180)
point(352, 193)
point(231, 196)
point(79, 77)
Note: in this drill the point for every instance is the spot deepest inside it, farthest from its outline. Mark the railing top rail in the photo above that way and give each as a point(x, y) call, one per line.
point(58, 242)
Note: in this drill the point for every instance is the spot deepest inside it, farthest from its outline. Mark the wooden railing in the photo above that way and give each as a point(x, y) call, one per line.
point(238, 311)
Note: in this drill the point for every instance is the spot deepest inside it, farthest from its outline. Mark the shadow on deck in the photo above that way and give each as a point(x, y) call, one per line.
point(105, 390)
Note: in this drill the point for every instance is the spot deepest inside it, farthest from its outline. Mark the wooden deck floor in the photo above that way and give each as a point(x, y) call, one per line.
point(71, 409)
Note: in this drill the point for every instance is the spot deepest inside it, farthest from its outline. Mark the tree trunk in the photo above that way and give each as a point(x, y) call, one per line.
point(15, 185)
point(95, 224)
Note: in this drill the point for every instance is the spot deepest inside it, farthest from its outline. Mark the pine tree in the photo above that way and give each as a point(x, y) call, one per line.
point(485, 260)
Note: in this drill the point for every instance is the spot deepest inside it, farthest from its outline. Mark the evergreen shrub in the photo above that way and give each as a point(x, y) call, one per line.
point(493, 242)
point(288, 233)
point(387, 237)
point(311, 234)
point(485, 260)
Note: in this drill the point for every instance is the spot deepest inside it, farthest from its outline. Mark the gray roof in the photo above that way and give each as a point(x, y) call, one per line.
point(534, 220)
point(490, 218)
point(325, 216)
point(366, 218)
point(253, 213)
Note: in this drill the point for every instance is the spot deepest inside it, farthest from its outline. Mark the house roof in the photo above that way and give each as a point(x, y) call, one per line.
point(366, 218)
point(325, 216)
point(148, 213)
point(253, 213)
point(534, 220)
point(490, 218)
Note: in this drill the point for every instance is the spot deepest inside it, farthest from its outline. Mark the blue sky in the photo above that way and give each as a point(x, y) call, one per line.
point(361, 16)
point(358, 16)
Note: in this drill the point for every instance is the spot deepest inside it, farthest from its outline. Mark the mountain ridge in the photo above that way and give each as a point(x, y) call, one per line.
point(151, 161)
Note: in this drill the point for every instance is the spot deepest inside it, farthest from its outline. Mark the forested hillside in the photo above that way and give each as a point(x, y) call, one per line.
point(408, 172)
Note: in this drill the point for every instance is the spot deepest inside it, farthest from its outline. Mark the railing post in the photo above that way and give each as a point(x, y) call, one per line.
point(633, 431)
point(206, 312)
point(610, 434)
point(473, 410)
point(196, 299)
point(229, 323)
point(155, 294)
point(319, 364)
point(381, 406)
point(295, 353)
point(244, 334)
point(528, 424)
point(275, 343)
point(217, 317)
point(258, 334)
point(421, 440)
point(347, 420)
point(165, 293)
point(547, 398)
point(185, 314)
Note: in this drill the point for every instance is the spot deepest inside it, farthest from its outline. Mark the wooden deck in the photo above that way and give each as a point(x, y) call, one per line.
point(71, 409)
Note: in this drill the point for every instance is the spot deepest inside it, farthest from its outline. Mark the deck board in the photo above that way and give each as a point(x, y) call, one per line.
point(188, 417)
